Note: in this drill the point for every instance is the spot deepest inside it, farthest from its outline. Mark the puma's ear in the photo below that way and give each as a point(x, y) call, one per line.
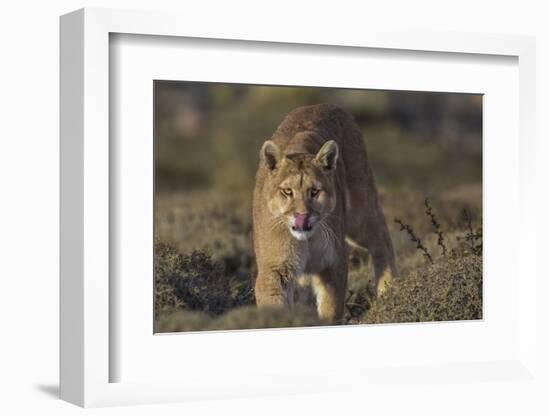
point(328, 155)
point(270, 154)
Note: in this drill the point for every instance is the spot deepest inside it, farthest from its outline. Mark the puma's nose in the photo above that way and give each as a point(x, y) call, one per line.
point(301, 221)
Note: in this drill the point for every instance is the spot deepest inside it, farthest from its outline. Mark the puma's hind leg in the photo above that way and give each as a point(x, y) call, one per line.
point(367, 228)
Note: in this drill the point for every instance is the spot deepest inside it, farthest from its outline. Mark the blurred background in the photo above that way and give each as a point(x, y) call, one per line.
point(208, 136)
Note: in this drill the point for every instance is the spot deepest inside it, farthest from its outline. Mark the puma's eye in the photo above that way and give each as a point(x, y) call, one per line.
point(314, 192)
point(286, 191)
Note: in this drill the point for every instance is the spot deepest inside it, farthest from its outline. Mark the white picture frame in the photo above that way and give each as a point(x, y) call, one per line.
point(86, 355)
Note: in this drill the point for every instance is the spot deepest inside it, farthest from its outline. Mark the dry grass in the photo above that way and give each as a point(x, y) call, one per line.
point(421, 145)
point(204, 264)
point(245, 317)
point(448, 290)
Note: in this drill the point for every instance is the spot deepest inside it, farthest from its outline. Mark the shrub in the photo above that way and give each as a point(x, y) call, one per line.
point(449, 290)
point(197, 291)
point(360, 292)
point(193, 282)
point(168, 263)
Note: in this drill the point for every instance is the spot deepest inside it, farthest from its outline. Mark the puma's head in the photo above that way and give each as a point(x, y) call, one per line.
point(301, 187)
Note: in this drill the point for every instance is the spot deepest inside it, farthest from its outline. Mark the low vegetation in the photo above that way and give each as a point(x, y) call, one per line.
point(210, 287)
point(420, 144)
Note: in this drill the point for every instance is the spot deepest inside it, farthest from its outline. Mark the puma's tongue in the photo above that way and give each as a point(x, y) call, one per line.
point(301, 222)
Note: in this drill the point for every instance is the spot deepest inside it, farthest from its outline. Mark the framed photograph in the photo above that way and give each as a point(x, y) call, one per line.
point(276, 212)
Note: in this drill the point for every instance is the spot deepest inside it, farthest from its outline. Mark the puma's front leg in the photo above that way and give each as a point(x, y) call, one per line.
point(330, 292)
point(275, 286)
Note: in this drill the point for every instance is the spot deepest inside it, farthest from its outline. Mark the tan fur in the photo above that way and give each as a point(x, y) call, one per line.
point(316, 148)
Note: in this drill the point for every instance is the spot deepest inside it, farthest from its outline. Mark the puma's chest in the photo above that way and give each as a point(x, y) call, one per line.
point(322, 251)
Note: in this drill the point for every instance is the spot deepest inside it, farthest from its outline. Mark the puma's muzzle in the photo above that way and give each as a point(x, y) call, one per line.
point(302, 222)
